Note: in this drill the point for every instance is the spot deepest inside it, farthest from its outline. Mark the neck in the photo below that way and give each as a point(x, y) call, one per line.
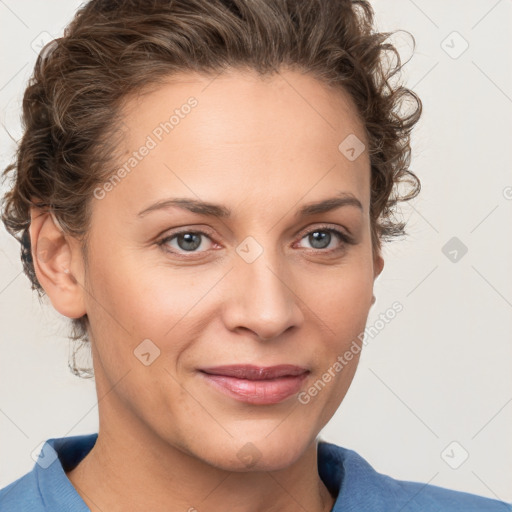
point(131, 468)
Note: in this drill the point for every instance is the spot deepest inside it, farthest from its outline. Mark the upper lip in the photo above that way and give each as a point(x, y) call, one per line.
point(252, 372)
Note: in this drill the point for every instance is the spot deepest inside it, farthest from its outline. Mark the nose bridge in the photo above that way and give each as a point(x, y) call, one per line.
point(264, 301)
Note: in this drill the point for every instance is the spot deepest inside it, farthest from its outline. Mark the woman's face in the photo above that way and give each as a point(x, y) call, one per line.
point(259, 287)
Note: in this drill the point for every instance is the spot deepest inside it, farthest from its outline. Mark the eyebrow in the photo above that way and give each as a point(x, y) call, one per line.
point(220, 211)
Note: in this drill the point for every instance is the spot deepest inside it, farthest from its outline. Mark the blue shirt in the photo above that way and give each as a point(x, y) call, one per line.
point(347, 475)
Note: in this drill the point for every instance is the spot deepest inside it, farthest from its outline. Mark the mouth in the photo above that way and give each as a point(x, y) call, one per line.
point(256, 385)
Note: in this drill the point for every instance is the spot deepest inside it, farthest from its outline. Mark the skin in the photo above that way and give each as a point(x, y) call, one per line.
point(167, 439)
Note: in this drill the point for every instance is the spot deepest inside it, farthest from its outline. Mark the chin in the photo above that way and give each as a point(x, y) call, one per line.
point(245, 454)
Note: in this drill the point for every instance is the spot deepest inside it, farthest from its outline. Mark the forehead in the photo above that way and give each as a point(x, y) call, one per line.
point(242, 135)
point(250, 107)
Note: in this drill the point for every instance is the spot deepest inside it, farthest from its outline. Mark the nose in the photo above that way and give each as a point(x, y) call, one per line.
point(262, 298)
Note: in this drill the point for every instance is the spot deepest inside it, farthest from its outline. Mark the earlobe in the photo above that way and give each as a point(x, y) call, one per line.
point(54, 262)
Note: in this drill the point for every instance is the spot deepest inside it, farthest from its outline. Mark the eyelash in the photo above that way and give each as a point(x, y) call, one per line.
point(345, 240)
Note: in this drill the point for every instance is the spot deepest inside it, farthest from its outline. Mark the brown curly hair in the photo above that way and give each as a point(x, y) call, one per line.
point(114, 48)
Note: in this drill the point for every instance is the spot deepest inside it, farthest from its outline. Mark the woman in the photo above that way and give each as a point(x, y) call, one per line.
point(203, 187)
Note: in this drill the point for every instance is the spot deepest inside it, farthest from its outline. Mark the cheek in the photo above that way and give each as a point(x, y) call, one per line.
point(133, 301)
point(341, 299)
point(340, 302)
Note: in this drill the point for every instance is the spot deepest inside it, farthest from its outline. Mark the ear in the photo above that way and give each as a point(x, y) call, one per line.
point(378, 266)
point(57, 263)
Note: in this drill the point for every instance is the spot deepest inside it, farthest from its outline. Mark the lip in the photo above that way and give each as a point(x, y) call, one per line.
point(256, 384)
point(252, 372)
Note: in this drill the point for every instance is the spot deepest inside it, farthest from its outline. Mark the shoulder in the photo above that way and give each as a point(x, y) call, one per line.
point(21, 495)
point(46, 487)
point(417, 496)
point(360, 487)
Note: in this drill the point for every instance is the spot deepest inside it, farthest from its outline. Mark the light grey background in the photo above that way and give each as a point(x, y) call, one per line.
point(440, 371)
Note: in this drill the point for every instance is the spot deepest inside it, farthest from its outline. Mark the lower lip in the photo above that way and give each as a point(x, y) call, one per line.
point(260, 392)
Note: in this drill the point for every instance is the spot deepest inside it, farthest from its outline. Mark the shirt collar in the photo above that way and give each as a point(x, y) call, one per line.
point(57, 456)
point(343, 471)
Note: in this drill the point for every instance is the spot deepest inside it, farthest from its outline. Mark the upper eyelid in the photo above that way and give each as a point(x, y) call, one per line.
point(325, 227)
point(209, 232)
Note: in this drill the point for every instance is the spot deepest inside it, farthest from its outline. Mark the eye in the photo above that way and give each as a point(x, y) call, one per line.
point(187, 241)
point(321, 238)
